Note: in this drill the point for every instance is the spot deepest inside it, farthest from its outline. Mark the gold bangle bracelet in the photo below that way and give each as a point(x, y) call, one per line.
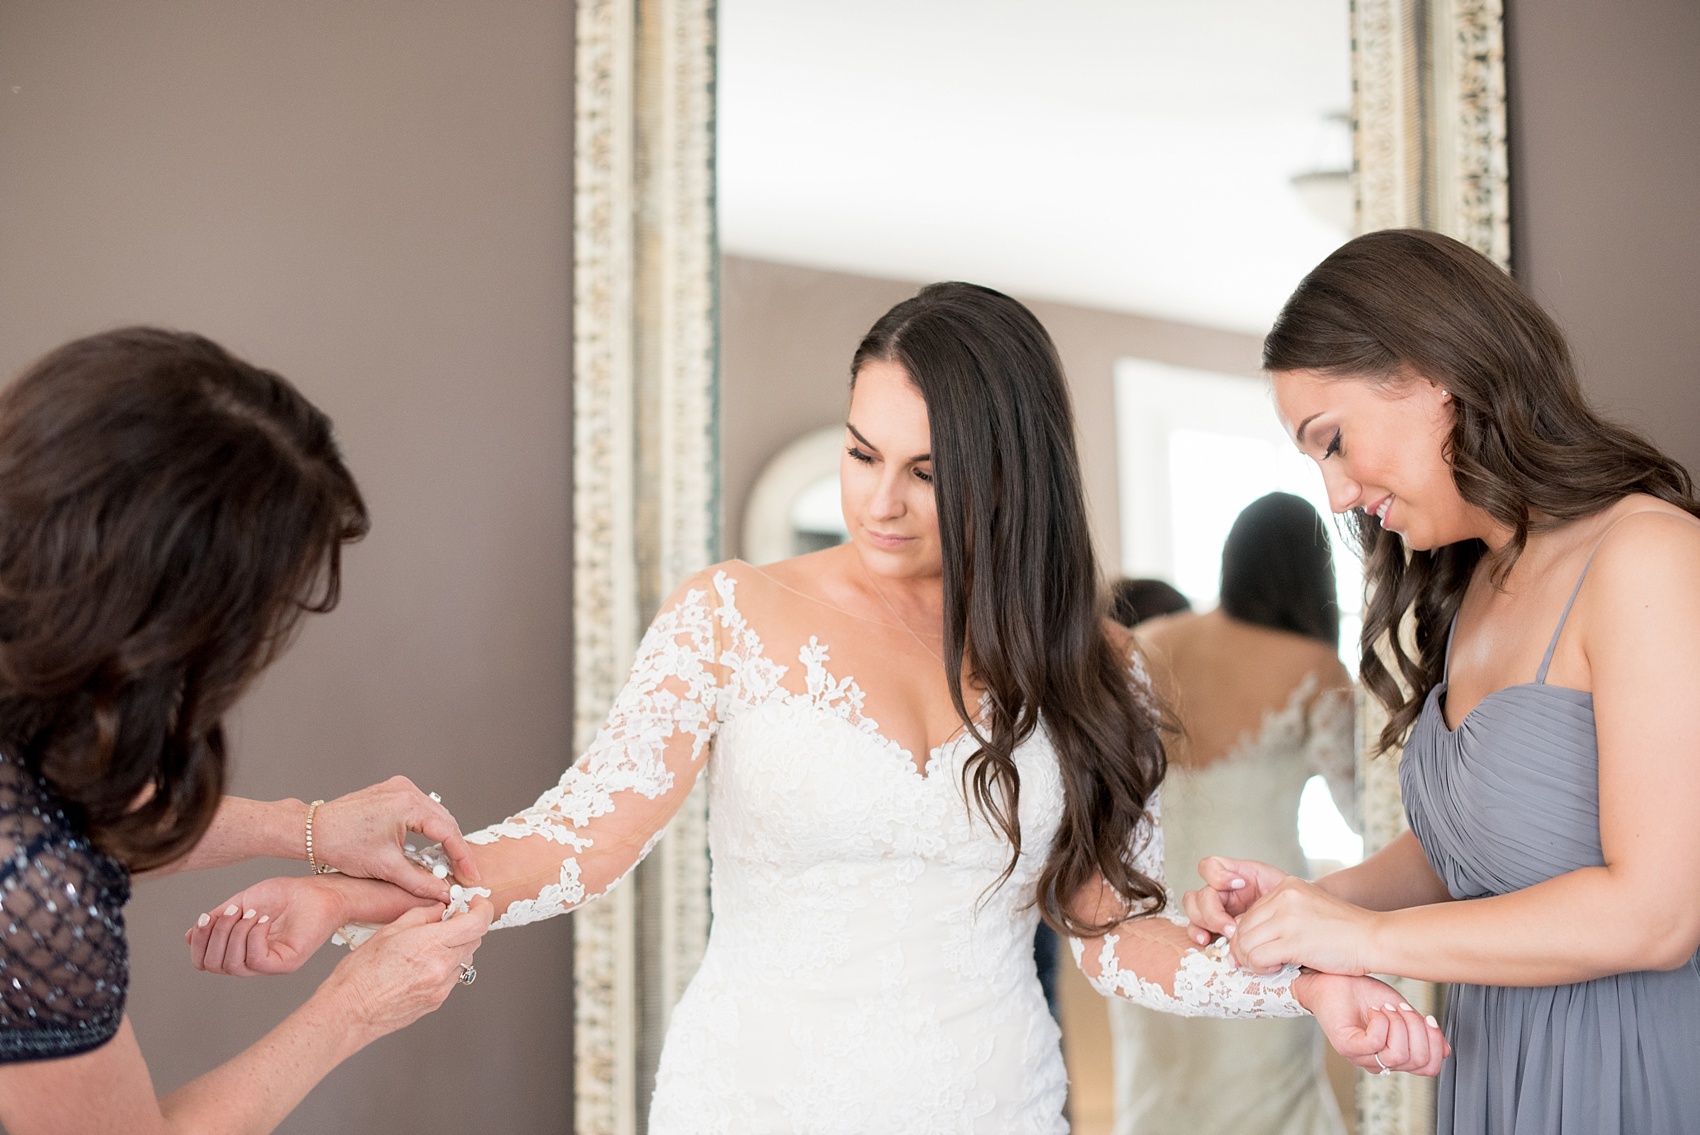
point(317, 867)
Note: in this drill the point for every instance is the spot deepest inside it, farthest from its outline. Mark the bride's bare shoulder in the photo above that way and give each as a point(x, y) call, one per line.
point(798, 573)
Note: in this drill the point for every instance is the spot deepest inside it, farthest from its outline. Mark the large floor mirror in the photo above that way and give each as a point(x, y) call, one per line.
point(757, 180)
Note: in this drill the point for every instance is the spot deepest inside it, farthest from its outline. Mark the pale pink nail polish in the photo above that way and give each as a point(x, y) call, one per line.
point(203, 920)
point(1405, 1007)
point(1432, 1023)
point(230, 910)
point(265, 918)
point(251, 912)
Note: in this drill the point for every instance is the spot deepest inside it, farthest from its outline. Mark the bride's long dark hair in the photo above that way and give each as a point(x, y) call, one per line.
point(1022, 597)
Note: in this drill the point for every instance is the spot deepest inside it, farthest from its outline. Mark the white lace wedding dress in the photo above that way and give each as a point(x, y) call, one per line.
point(864, 973)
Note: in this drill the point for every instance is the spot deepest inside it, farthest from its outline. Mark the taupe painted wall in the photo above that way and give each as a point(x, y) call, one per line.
point(1605, 137)
point(374, 199)
point(787, 334)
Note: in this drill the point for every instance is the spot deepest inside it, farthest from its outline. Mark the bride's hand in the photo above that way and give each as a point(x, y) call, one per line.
point(1231, 887)
point(275, 926)
point(1366, 1022)
point(1299, 923)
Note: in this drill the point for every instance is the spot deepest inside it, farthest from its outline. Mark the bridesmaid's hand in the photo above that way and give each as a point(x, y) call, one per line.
point(1366, 1022)
point(1231, 887)
point(1299, 923)
point(275, 926)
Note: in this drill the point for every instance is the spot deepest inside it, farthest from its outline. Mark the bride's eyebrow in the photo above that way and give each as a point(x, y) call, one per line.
point(916, 460)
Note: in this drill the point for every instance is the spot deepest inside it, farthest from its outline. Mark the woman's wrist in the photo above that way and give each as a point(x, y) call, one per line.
point(1304, 988)
point(338, 1008)
point(368, 900)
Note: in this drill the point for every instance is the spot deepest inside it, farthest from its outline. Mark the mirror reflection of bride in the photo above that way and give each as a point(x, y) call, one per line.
point(918, 744)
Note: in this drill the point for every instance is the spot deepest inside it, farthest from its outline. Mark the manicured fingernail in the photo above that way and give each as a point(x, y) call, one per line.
point(249, 913)
point(1228, 930)
point(1405, 1007)
point(264, 918)
point(1236, 884)
point(1388, 1006)
point(1432, 1023)
point(230, 910)
point(203, 920)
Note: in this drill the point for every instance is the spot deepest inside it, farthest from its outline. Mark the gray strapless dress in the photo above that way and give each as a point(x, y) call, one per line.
point(1509, 799)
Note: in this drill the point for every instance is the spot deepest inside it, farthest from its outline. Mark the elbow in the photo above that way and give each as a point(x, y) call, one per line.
point(1665, 942)
point(1674, 950)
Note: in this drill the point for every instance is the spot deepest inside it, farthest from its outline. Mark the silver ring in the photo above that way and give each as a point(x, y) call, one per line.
point(1385, 1070)
point(435, 798)
point(469, 974)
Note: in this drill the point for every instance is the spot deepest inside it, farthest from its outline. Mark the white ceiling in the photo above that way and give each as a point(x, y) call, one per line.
point(1126, 154)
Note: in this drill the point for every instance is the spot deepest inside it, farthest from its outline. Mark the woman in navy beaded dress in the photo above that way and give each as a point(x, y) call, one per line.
point(167, 513)
point(1534, 632)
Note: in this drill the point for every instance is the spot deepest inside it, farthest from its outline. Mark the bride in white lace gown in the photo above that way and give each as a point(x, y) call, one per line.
point(869, 967)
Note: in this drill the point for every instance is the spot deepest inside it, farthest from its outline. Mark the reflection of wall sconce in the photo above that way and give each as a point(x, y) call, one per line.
point(1326, 188)
point(1327, 193)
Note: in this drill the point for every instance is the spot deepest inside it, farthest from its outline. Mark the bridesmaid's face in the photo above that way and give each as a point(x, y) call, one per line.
point(886, 474)
point(1381, 449)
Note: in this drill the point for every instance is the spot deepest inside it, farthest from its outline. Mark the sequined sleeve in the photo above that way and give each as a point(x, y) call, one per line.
point(64, 962)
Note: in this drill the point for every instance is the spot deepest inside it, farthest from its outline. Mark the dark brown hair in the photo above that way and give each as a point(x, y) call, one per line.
point(1021, 586)
point(1133, 601)
point(167, 512)
point(1278, 569)
point(1525, 446)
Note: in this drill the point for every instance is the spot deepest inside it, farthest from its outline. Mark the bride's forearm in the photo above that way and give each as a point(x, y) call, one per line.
point(1151, 961)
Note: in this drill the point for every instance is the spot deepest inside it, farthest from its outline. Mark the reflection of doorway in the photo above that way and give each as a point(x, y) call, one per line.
point(1194, 448)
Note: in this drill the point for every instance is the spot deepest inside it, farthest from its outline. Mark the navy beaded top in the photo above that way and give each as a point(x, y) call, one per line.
point(64, 963)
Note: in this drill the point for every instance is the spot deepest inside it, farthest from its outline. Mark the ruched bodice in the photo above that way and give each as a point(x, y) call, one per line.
point(1520, 783)
point(1509, 799)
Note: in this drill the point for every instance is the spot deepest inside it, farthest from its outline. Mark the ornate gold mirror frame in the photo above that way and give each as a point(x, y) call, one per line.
point(1429, 124)
point(1430, 152)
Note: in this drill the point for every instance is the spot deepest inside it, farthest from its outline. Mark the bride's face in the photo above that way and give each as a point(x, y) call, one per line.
point(886, 475)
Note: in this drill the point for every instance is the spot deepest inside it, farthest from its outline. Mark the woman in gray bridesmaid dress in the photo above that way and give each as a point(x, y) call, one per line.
point(1552, 870)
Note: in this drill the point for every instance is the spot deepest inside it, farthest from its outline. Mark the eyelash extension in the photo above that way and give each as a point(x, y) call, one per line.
point(925, 477)
point(858, 455)
point(1333, 446)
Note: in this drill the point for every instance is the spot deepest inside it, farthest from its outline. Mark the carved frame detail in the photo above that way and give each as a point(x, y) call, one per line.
point(1429, 135)
point(646, 484)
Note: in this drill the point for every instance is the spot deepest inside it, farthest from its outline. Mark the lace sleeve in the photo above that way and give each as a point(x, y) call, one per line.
point(1148, 957)
point(1331, 749)
point(64, 962)
point(584, 835)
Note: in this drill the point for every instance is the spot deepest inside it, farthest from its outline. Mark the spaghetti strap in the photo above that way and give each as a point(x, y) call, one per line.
point(1546, 659)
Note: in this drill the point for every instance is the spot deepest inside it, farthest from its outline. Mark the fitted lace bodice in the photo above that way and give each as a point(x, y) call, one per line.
point(865, 969)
